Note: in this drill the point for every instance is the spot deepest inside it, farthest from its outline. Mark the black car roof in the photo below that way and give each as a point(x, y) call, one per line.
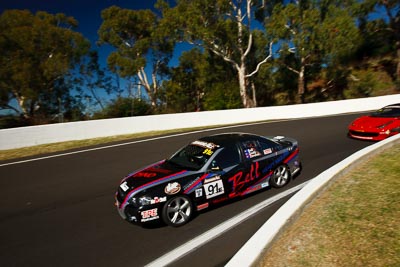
point(393, 106)
point(226, 139)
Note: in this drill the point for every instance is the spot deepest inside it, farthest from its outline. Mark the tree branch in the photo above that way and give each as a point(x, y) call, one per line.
point(262, 62)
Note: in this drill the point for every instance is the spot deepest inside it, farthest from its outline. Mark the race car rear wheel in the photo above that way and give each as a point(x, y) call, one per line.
point(177, 211)
point(281, 176)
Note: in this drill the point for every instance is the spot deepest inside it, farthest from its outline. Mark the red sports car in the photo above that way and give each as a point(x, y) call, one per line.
point(381, 124)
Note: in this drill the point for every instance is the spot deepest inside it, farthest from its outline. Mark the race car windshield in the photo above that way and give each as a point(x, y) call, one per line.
point(389, 112)
point(191, 157)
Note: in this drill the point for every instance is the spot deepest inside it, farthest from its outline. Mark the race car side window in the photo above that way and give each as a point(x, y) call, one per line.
point(251, 149)
point(267, 147)
point(228, 157)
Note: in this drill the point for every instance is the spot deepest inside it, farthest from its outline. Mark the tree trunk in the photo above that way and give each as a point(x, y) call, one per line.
point(21, 104)
point(398, 66)
point(301, 83)
point(243, 87)
point(144, 82)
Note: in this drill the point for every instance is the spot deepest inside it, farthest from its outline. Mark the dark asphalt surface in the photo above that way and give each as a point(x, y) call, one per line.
point(60, 211)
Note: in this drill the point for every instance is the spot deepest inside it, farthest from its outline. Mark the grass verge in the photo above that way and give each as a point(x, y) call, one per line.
point(355, 222)
point(62, 146)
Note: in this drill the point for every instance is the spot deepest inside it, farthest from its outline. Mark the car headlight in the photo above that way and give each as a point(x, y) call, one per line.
point(384, 125)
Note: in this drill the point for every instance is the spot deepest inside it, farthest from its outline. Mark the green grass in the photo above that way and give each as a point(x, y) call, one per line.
point(355, 222)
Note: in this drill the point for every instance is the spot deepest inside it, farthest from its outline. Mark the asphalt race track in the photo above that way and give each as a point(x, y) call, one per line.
point(59, 211)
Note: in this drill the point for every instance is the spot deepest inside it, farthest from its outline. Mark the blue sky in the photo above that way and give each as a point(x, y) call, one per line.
point(86, 12)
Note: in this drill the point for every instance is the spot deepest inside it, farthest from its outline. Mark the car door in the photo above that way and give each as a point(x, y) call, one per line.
point(258, 159)
point(223, 172)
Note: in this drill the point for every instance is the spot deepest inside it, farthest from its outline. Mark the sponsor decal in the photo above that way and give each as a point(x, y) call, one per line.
point(195, 184)
point(172, 188)
point(251, 153)
point(148, 215)
point(264, 185)
point(145, 174)
point(199, 192)
point(209, 180)
point(214, 189)
point(150, 184)
point(124, 186)
point(267, 151)
point(241, 180)
point(158, 200)
point(202, 206)
point(157, 169)
point(192, 184)
point(208, 145)
point(208, 152)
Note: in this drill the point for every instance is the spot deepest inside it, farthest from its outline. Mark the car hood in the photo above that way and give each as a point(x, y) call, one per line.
point(368, 122)
point(153, 175)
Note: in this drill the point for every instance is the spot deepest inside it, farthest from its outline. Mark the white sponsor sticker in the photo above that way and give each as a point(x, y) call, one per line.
point(199, 192)
point(214, 189)
point(149, 215)
point(124, 186)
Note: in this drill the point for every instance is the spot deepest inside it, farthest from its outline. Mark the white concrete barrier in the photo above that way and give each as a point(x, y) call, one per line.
point(52, 133)
point(254, 248)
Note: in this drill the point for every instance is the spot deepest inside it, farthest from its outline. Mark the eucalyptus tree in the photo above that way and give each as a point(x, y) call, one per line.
point(379, 21)
point(315, 33)
point(37, 51)
point(224, 27)
point(188, 81)
point(201, 81)
point(93, 80)
point(135, 36)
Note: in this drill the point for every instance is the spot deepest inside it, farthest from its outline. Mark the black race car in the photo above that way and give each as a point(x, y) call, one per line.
point(207, 171)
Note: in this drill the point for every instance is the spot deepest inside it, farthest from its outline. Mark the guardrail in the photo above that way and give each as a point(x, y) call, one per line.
point(254, 248)
point(52, 133)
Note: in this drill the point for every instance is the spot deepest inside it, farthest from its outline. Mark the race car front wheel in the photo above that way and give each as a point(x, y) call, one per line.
point(177, 211)
point(280, 177)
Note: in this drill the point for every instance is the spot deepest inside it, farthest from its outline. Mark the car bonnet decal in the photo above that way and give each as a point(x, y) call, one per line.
point(142, 169)
point(150, 184)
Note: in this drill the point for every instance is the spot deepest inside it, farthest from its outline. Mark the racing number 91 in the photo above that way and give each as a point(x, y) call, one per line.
point(213, 189)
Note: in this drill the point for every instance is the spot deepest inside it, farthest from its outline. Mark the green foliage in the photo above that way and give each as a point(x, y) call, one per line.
point(224, 95)
point(313, 34)
point(183, 92)
point(222, 27)
point(138, 43)
point(92, 80)
point(38, 51)
point(129, 31)
point(322, 50)
point(202, 81)
point(124, 107)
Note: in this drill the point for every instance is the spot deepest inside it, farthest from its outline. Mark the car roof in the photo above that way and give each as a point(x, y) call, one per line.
point(226, 139)
point(393, 106)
